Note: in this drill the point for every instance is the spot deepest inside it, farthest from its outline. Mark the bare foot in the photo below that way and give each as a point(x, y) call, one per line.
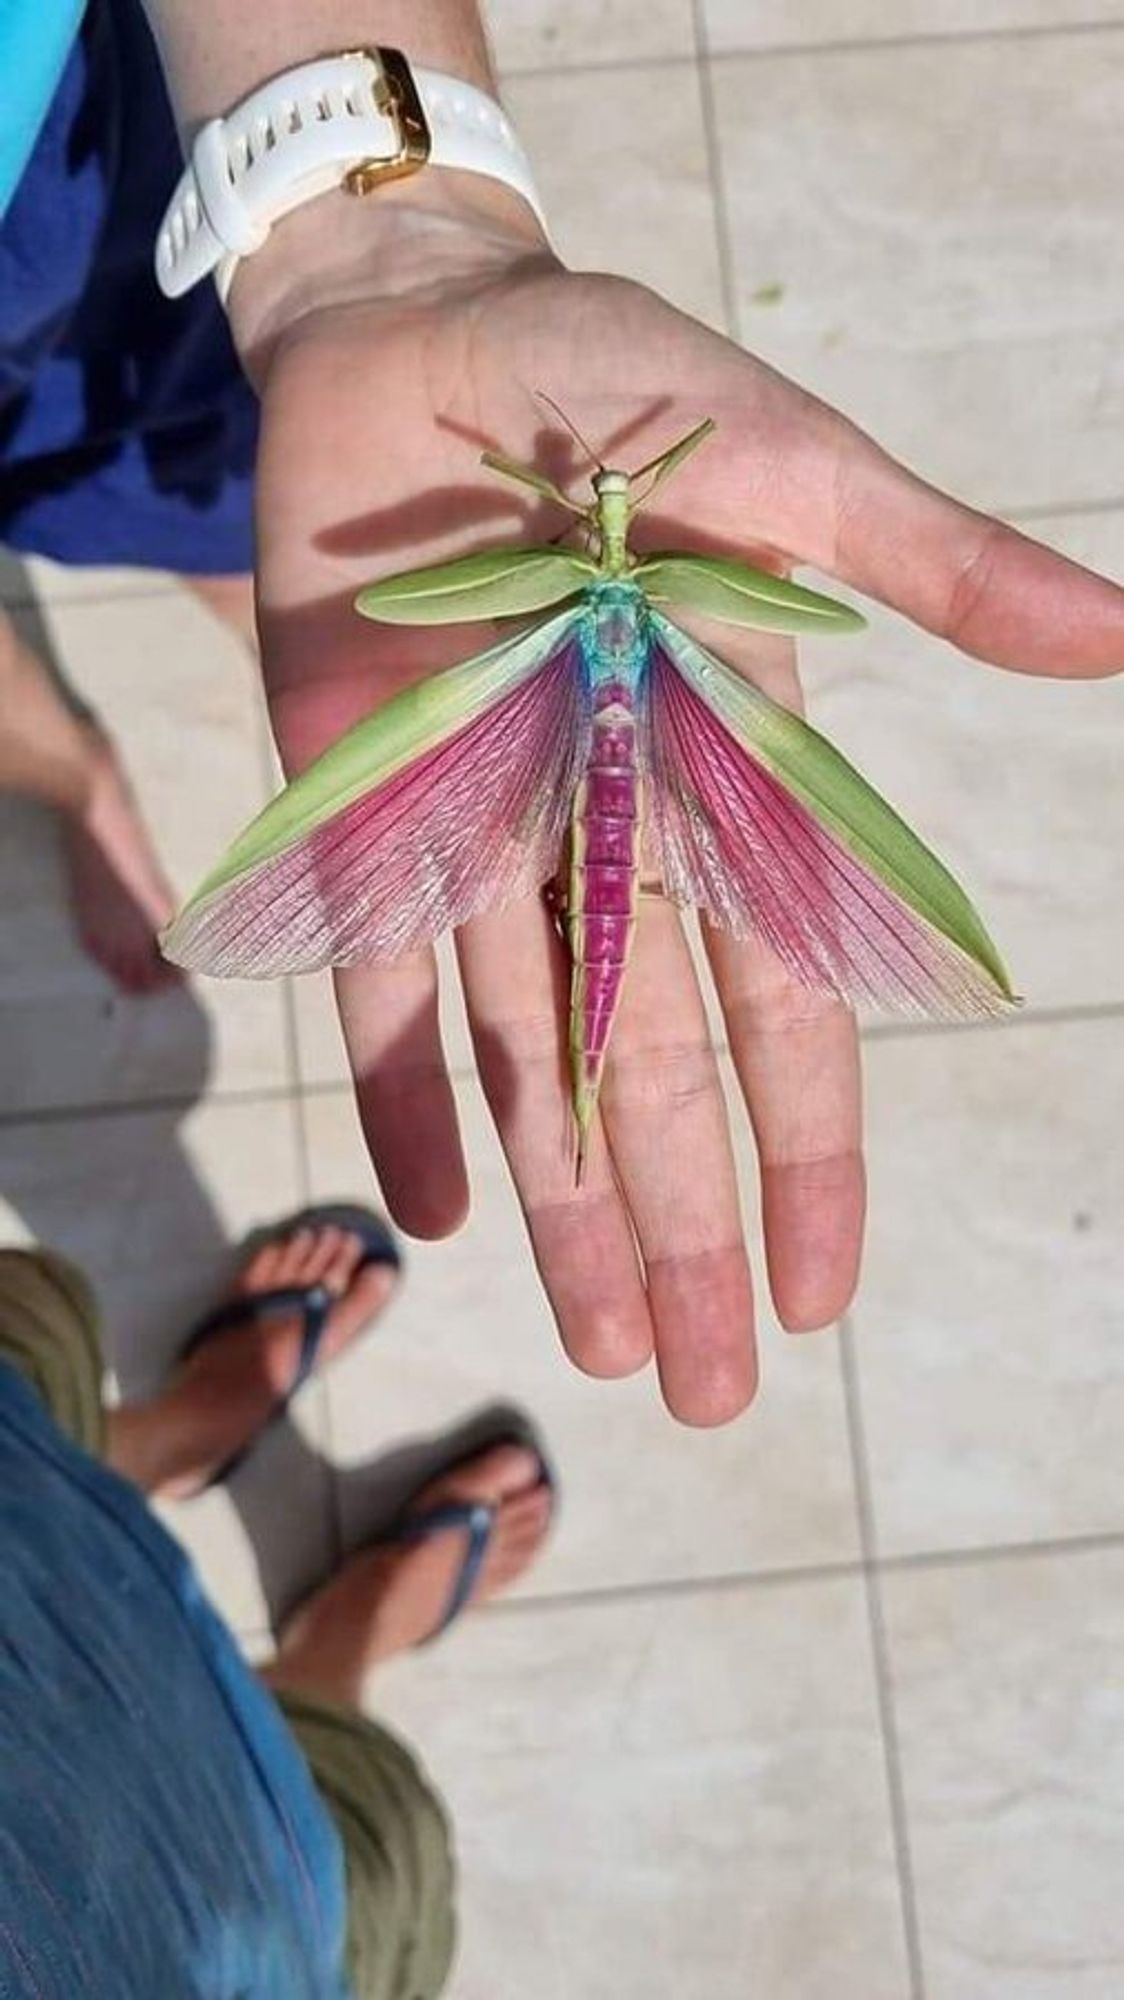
point(118, 891)
point(387, 1598)
point(219, 1398)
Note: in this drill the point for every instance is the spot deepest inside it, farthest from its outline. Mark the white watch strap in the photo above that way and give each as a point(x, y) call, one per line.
point(351, 120)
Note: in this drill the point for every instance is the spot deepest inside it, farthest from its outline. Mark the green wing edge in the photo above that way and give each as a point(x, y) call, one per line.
point(407, 726)
point(822, 779)
point(494, 583)
point(720, 587)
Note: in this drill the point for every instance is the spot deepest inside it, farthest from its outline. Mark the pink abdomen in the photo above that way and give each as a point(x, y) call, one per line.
point(601, 915)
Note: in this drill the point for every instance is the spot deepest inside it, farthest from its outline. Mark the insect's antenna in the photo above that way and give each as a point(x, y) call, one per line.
point(542, 397)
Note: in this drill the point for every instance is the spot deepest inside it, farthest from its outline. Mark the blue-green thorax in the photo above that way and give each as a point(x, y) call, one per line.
point(614, 627)
point(614, 632)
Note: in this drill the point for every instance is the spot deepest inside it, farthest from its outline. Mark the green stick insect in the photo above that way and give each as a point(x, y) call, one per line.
point(598, 747)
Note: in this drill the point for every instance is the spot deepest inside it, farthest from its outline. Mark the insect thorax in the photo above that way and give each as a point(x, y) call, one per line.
point(614, 637)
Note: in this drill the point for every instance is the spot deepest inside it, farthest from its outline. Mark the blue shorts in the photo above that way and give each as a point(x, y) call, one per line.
point(161, 1837)
point(127, 430)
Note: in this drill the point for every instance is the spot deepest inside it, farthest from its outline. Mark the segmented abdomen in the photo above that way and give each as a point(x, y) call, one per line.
point(601, 913)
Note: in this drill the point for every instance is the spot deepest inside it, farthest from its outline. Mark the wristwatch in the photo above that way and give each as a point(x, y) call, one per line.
point(350, 121)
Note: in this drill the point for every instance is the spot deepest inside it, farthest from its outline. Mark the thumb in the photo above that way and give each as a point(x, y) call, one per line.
point(961, 574)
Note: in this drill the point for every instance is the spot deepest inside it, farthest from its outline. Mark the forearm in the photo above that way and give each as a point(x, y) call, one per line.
point(214, 52)
point(336, 247)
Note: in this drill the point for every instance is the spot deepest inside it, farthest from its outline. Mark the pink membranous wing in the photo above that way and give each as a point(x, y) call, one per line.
point(731, 837)
point(477, 817)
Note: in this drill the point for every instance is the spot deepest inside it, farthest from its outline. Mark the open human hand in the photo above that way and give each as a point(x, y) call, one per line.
point(376, 404)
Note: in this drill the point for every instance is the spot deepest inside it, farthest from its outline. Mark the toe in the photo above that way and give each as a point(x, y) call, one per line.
point(361, 1301)
point(296, 1255)
point(498, 1475)
point(321, 1257)
point(341, 1260)
point(526, 1510)
point(259, 1273)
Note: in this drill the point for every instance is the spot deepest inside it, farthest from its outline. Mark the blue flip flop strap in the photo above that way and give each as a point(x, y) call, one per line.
point(477, 1520)
point(313, 1302)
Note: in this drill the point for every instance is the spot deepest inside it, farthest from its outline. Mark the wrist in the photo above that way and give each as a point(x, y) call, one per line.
point(439, 229)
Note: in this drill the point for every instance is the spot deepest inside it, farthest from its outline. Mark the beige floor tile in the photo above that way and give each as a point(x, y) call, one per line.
point(1011, 779)
point(149, 1203)
point(669, 1796)
point(321, 1056)
point(626, 192)
point(765, 24)
point(988, 1320)
point(254, 1557)
point(1011, 1719)
point(550, 34)
point(644, 1498)
point(180, 698)
point(25, 579)
point(939, 222)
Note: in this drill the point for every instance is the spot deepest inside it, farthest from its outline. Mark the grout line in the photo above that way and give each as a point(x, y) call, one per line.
point(296, 1089)
point(797, 1574)
point(291, 1039)
point(718, 201)
point(883, 1671)
point(1021, 1017)
point(1080, 509)
point(932, 39)
point(858, 45)
point(635, 65)
point(725, 1582)
point(183, 1101)
point(992, 1552)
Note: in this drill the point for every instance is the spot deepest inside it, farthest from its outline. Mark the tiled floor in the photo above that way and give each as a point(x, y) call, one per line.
point(830, 1703)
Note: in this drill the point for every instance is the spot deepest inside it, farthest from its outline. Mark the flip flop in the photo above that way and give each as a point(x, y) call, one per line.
point(313, 1302)
point(477, 1518)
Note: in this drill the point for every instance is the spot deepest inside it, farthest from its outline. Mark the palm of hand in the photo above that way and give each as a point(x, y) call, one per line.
point(374, 415)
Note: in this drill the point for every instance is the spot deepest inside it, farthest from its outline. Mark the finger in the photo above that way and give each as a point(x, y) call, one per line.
point(516, 986)
point(797, 1058)
point(798, 476)
point(665, 1121)
point(987, 588)
point(388, 1013)
point(406, 1104)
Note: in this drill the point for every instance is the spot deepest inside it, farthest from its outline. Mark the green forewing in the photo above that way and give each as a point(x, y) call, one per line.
point(719, 587)
point(496, 583)
point(412, 722)
point(822, 779)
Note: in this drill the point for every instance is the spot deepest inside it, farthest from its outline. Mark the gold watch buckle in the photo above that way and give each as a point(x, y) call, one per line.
point(396, 95)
